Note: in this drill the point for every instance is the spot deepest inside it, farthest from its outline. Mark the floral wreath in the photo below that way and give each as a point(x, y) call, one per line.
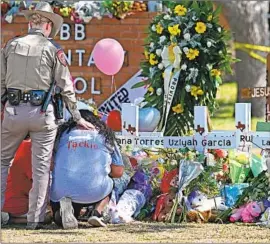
point(186, 54)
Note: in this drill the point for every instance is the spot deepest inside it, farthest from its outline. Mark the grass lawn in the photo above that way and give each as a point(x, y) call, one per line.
point(142, 232)
point(223, 118)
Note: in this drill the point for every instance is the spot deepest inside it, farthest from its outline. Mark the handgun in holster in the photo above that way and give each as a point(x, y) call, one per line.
point(54, 96)
point(58, 104)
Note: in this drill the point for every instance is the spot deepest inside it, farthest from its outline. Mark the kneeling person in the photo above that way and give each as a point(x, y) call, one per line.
point(85, 163)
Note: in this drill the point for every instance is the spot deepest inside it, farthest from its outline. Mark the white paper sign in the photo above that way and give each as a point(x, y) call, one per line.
point(124, 95)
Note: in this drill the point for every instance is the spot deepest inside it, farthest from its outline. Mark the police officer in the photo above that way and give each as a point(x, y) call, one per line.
point(29, 65)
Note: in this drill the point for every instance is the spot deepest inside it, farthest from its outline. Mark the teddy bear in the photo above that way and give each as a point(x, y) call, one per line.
point(164, 206)
point(247, 213)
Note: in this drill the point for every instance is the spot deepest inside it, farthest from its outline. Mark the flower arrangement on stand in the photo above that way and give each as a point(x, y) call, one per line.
point(185, 57)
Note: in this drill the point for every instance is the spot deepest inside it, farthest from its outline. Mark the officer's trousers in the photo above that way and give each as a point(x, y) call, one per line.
point(18, 122)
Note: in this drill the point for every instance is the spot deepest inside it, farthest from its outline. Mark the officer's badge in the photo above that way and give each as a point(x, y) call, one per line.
point(61, 57)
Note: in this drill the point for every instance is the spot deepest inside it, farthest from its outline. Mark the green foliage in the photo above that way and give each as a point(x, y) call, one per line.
point(203, 72)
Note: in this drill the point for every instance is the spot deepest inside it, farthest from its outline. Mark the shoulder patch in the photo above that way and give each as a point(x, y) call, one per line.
point(61, 57)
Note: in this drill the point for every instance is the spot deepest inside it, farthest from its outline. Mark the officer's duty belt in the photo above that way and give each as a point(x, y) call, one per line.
point(35, 97)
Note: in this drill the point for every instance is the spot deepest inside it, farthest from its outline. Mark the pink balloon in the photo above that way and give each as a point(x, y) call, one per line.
point(108, 55)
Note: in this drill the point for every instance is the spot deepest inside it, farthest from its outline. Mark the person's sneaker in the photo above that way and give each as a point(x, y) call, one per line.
point(67, 214)
point(4, 218)
point(96, 219)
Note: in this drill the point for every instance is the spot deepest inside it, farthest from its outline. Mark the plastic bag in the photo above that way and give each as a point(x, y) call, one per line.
point(129, 206)
point(238, 171)
point(231, 193)
point(257, 165)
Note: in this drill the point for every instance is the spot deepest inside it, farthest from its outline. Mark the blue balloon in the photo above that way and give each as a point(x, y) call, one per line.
point(148, 119)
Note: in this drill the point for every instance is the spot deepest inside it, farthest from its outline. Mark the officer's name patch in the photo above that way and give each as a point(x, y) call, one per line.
point(61, 57)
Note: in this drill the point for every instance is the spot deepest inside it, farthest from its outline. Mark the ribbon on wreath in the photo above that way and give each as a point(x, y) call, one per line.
point(171, 59)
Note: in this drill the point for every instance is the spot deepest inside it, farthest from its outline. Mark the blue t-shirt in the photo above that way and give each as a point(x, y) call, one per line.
point(82, 167)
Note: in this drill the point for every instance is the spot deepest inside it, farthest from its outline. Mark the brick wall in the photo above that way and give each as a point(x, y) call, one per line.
point(130, 32)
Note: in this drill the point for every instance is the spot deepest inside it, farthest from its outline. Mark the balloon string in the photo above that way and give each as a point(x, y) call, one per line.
point(113, 85)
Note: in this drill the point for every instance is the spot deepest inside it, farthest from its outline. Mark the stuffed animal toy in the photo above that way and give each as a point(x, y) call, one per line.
point(200, 202)
point(199, 217)
point(246, 213)
point(164, 207)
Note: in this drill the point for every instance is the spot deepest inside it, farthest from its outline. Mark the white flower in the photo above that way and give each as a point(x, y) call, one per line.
point(160, 66)
point(153, 28)
point(188, 87)
point(203, 81)
point(184, 67)
point(174, 162)
point(220, 52)
point(209, 66)
point(158, 52)
point(159, 91)
point(209, 25)
point(219, 29)
point(152, 44)
point(167, 17)
point(162, 39)
point(209, 44)
point(185, 49)
point(187, 36)
point(193, 74)
point(161, 160)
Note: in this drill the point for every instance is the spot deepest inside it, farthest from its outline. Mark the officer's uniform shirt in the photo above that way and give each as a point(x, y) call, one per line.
point(32, 62)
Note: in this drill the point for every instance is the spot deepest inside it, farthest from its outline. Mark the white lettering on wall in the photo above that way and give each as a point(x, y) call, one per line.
point(65, 32)
point(79, 32)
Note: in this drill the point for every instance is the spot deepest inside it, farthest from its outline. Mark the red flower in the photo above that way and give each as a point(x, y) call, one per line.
point(225, 167)
point(221, 153)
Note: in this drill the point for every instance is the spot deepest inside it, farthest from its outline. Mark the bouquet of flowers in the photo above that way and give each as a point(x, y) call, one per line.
point(118, 9)
point(185, 56)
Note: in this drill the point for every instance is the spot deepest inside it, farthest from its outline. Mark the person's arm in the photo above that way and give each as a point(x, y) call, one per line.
point(63, 80)
point(117, 166)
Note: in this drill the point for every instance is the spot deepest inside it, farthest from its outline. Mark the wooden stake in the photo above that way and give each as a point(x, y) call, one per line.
point(267, 112)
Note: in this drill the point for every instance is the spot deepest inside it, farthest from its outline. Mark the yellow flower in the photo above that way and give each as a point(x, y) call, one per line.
point(196, 91)
point(178, 109)
point(210, 17)
point(200, 92)
point(95, 112)
point(215, 72)
point(174, 30)
point(152, 60)
point(180, 10)
point(151, 89)
point(159, 28)
point(200, 27)
point(146, 54)
point(192, 53)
